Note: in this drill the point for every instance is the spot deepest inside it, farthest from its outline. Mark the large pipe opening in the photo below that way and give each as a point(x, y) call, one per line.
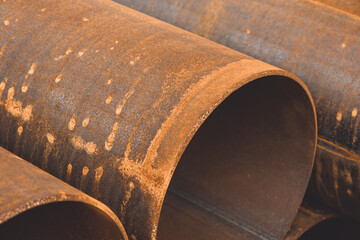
point(61, 220)
point(245, 171)
point(333, 229)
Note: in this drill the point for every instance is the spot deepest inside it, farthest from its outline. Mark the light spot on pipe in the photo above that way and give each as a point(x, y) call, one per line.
point(68, 51)
point(339, 116)
point(112, 48)
point(116, 42)
point(24, 88)
point(68, 172)
point(32, 69)
point(58, 78)
point(85, 19)
point(43, 10)
point(132, 62)
point(108, 99)
point(248, 31)
point(50, 138)
point(6, 22)
point(98, 173)
point(97, 51)
point(71, 124)
point(2, 88)
point(79, 142)
point(354, 112)
point(109, 81)
point(111, 138)
point(85, 171)
point(343, 45)
point(27, 113)
point(122, 103)
point(85, 122)
point(69, 169)
point(80, 53)
point(20, 130)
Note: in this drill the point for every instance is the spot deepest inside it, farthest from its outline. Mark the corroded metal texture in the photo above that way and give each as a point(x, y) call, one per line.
point(309, 215)
point(351, 6)
point(108, 99)
point(318, 43)
point(36, 205)
point(337, 182)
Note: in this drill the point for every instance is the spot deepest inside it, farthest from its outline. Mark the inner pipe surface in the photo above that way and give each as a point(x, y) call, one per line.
point(244, 173)
point(61, 220)
point(334, 229)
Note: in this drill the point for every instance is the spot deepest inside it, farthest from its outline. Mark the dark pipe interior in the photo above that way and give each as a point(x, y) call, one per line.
point(246, 167)
point(334, 229)
point(60, 221)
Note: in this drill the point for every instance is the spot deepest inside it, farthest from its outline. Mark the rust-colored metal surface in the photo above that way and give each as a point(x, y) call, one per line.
point(36, 205)
point(314, 221)
point(309, 215)
point(351, 6)
point(319, 43)
point(108, 100)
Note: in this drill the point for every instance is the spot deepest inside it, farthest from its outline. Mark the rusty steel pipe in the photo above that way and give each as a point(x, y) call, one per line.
point(318, 43)
point(109, 100)
point(314, 221)
point(36, 205)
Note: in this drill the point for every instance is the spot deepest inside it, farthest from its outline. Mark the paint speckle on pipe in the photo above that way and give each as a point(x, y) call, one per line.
point(72, 123)
point(122, 103)
point(108, 99)
point(109, 81)
point(85, 122)
point(69, 169)
point(27, 113)
point(85, 19)
point(24, 88)
point(20, 130)
point(98, 173)
point(81, 53)
point(111, 138)
point(79, 143)
point(32, 69)
point(50, 138)
point(354, 112)
point(58, 78)
point(6, 22)
point(68, 51)
point(85, 171)
point(339, 116)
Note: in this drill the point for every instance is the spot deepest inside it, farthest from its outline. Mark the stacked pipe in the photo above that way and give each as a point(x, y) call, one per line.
point(182, 138)
point(316, 40)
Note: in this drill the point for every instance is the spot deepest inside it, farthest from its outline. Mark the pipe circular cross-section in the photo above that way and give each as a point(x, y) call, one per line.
point(111, 100)
point(36, 205)
point(317, 40)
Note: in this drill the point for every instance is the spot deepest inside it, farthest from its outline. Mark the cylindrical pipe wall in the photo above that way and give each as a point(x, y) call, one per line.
point(108, 99)
point(36, 205)
point(318, 43)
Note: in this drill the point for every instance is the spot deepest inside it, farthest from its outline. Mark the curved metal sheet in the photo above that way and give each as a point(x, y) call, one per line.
point(36, 205)
point(108, 99)
point(318, 43)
